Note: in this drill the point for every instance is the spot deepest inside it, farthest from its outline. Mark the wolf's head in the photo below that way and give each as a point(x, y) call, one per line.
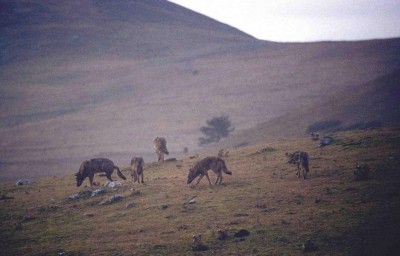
point(82, 173)
point(137, 162)
point(192, 175)
point(79, 179)
point(290, 157)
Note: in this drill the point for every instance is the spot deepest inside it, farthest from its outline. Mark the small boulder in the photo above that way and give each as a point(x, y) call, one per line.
point(242, 233)
point(98, 192)
point(113, 199)
point(222, 234)
point(22, 182)
point(113, 184)
point(309, 246)
point(200, 247)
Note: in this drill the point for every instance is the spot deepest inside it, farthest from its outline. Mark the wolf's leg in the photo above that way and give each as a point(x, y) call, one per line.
point(208, 178)
point(91, 176)
point(201, 176)
point(142, 177)
point(219, 178)
point(134, 176)
point(298, 170)
point(108, 175)
point(304, 173)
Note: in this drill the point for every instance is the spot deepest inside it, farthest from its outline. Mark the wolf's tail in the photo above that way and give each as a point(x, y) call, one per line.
point(225, 169)
point(164, 150)
point(120, 173)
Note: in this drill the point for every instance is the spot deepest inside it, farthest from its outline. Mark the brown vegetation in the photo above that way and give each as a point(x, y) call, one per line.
point(328, 214)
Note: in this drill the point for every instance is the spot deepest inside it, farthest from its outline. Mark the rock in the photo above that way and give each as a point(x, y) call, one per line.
point(361, 172)
point(192, 201)
point(129, 205)
point(309, 246)
point(74, 197)
point(113, 184)
point(222, 234)
point(97, 192)
point(113, 199)
point(200, 247)
point(242, 233)
point(22, 182)
point(81, 195)
point(325, 141)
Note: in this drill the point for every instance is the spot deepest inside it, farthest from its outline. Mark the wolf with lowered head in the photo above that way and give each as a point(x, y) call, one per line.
point(98, 165)
point(301, 159)
point(201, 169)
point(137, 164)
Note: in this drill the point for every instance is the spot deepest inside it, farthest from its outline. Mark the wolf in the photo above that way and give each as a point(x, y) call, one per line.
point(137, 164)
point(301, 159)
point(160, 145)
point(201, 168)
point(98, 165)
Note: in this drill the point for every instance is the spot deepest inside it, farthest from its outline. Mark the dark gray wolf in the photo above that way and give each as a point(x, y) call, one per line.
point(201, 169)
point(160, 145)
point(99, 165)
point(301, 159)
point(137, 164)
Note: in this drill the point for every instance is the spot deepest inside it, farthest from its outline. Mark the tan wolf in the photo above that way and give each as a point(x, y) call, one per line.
point(137, 164)
point(201, 169)
point(301, 159)
point(160, 145)
point(98, 165)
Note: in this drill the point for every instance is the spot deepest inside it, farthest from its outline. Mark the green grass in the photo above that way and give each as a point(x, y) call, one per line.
point(340, 215)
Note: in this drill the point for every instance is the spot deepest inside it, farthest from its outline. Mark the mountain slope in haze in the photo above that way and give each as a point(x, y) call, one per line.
point(374, 103)
point(87, 79)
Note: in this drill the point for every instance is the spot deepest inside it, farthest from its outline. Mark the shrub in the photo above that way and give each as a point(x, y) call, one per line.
point(216, 129)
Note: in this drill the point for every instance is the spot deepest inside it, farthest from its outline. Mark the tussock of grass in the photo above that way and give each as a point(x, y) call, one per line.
point(263, 197)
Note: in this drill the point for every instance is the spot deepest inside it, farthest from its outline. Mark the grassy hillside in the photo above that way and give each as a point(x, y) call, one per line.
point(340, 215)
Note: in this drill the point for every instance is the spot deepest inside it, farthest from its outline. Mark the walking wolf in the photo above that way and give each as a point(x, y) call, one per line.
point(201, 169)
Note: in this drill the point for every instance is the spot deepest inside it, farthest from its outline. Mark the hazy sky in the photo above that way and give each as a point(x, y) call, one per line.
point(305, 20)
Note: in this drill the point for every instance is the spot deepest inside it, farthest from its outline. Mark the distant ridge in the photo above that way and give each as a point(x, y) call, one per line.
point(136, 29)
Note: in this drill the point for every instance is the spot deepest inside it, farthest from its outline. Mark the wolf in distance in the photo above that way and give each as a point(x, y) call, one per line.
point(98, 165)
point(137, 169)
point(160, 145)
point(201, 169)
point(301, 159)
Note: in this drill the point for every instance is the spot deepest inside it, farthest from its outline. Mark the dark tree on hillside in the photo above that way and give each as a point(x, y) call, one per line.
point(216, 129)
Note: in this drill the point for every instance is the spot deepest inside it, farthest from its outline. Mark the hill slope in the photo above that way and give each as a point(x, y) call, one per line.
point(340, 215)
point(372, 104)
point(86, 79)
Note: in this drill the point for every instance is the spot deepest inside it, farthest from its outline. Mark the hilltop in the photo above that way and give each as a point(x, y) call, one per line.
point(337, 213)
point(85, 79)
